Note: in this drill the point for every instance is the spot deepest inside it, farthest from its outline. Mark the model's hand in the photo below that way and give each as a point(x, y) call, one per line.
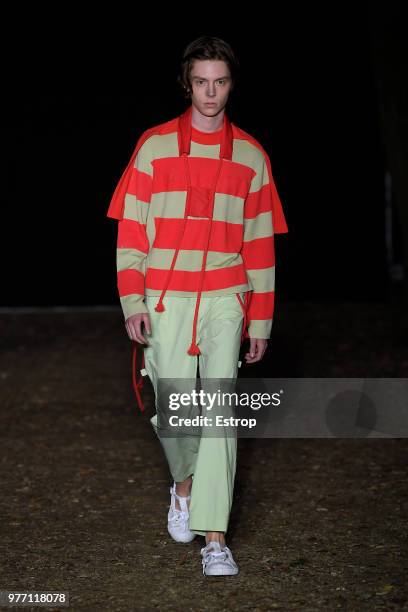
point(257, 348)
point(133, 327)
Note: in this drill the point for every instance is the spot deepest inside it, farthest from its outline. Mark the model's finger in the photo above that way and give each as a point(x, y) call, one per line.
point(249, 358)
point(146, 320)
point(140, 336)
point(133, 330)
point(252, 347)
point(128, 330)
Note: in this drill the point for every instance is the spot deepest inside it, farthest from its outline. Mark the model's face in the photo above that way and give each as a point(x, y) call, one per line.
point(211, 82)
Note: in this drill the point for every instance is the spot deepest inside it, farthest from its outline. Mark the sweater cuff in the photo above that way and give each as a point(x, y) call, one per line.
point(260, 328)
point(133, 304)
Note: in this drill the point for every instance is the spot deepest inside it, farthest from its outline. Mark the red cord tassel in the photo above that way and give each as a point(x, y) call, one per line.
point(194, 350)
point(159, 307)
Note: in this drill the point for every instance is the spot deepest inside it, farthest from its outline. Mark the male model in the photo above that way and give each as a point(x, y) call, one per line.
point(197, 211)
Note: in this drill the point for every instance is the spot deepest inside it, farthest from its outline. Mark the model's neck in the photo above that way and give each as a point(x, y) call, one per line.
point(207, 124)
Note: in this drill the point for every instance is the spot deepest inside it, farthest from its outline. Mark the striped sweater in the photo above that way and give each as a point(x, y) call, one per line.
point(197, 213)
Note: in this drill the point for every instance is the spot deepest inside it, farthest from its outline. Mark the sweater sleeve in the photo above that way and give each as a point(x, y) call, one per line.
point(132, 239)
point(258, 250)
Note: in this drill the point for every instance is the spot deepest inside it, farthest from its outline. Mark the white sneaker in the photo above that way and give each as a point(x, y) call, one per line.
point(218, 561)
point(177, 520)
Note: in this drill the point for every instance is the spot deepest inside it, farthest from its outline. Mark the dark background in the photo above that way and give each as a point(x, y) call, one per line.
point(319, 89)
point(316, 524)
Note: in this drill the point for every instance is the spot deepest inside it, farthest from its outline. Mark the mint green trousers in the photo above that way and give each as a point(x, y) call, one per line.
point(210, 460)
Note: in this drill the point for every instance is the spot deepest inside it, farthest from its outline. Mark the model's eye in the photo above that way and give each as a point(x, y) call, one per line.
point(222, 81)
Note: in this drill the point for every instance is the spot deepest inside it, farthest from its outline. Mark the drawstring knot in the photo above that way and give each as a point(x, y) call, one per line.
point(194, 349)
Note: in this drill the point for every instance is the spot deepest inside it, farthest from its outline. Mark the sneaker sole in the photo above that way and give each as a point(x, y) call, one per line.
point(182, 541)
point(222, 571)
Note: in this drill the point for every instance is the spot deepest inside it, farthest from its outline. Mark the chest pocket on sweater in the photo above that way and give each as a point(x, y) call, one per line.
point(200, 202)
point(232, 183)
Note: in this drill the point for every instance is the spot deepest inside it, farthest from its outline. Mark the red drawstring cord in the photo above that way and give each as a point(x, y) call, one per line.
point(248, 295)
point(137, 385)
point(194, 348)
point(160, 306)
point(245, 306)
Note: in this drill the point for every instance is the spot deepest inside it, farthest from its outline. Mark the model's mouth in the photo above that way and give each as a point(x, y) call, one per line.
point(210, 103)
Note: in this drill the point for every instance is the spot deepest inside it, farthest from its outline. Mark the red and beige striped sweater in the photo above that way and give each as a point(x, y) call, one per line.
point(197, 214)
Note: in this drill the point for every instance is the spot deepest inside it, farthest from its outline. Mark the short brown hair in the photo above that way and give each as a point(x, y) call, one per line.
point(206, 48)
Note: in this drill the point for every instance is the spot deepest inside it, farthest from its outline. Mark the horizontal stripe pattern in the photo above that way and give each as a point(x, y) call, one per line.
point(170, 175)
point(261, 305)
point(132, 235)
point(132, 240)
point(262, 280)
point(140, 185)
point(130, 281)
point(191, 260)
point(171, 205)
point(258, 202)
point(260, 329)
point(259, 253)
point(133, 304)
point(135, 209)
point(130, 259)
point(240, 253)
point(189, 281)
point(258, 227)
point(217, 292)
point(224, 237)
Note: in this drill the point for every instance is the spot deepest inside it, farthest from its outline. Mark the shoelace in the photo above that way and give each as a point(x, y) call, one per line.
point(178, 515)
point(222, 555)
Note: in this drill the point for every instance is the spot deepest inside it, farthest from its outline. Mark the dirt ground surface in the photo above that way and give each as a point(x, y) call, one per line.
point(317, 524)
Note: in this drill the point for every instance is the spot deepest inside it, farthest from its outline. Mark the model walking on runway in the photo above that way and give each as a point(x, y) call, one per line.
point(197, 211)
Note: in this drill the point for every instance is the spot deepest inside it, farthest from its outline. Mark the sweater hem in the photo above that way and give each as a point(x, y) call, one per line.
point(213, 293)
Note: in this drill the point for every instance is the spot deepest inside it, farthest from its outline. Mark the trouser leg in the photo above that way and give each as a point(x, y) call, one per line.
point(212, 489)
point(167, 357)
point(210, 459)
